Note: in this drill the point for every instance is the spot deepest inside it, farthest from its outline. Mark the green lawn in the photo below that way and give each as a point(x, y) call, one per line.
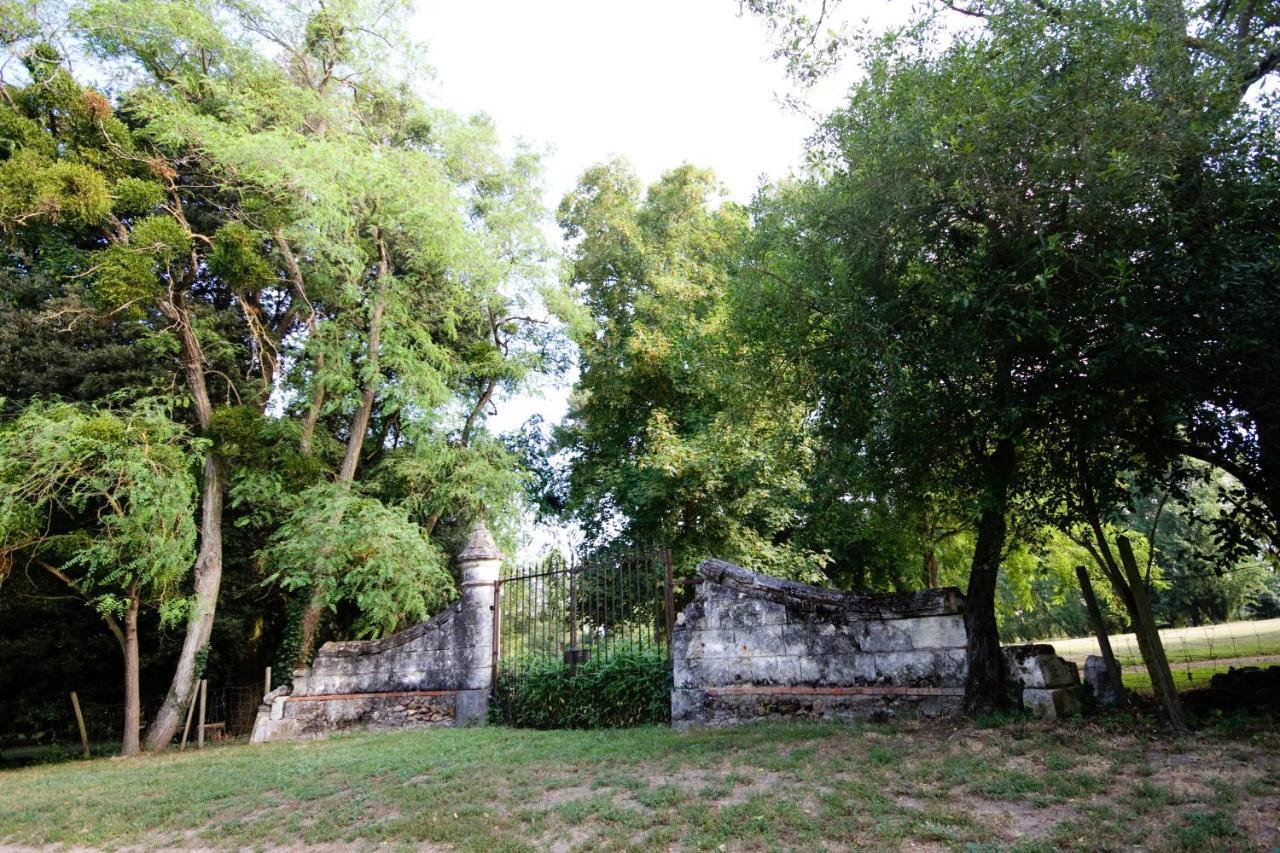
point(1184, 677)
point(940, 784)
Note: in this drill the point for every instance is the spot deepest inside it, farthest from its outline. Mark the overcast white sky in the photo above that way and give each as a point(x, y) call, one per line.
point(659, 82)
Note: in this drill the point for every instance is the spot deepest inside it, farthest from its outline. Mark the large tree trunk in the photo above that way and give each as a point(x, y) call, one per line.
point(208, 579)
point(208, 567)
point(132, 694)
point(984, 688)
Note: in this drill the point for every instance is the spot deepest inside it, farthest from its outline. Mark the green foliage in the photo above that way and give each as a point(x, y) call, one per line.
point(162, 237)
point(34, 188)
point(19, 132)
point(135, 196)
point(625, 688)
point(343, 547)
point(669, 437)
point(237, 258)
point(106, 497)
point(124, 278)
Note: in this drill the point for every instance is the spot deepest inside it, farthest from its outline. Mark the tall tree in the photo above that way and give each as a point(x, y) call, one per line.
point(671, 439)
point(987, 235)
point(268, 195)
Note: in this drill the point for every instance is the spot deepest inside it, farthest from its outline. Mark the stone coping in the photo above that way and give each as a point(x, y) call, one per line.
point(789, 690)
point(891, 605)
point(356, 648)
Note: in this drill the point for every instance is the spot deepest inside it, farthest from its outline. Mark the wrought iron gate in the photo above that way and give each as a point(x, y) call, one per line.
point(567, 613)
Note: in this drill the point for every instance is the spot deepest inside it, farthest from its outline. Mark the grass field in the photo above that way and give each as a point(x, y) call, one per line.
point(1187, 645)
point(1185, 677)
point(909, 785)
point(1195, 654)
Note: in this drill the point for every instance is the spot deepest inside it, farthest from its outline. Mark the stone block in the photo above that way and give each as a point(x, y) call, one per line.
point(923, 667)
point(712, 643)
point(751, 613)
point(686, 707)
point(1037, 665)
point(775, 670)
point(1099, 683)
point(1052, 703)
point(937, 632)
point(471, 707)
point(876, 635)
point(762, 641)
point(847, 670)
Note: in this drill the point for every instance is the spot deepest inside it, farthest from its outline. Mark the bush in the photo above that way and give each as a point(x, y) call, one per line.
point(625, 688)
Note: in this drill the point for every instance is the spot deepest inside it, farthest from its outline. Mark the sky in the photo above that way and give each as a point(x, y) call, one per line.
point(659, 83)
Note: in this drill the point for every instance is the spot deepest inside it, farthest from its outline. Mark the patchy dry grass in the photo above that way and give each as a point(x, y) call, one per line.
point(909, 785)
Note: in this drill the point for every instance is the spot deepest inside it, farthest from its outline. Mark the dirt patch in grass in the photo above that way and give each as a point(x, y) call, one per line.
point(1016, 821)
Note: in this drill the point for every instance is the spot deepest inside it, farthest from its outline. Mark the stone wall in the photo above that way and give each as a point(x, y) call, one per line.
point(1050, 685)
point(747, 647)
point(750, 646)
point(435, 673)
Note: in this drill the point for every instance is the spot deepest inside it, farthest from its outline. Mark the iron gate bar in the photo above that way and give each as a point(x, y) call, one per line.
point(670, 599)
point(570, 611)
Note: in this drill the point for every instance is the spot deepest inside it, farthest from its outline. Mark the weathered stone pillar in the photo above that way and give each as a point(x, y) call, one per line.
point(480, 562)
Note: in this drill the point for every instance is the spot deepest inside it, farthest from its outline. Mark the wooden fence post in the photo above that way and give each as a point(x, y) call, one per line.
point(1162, 676)
point(191, 710)
point(84, 736)
point(204, 692)
point(1100, 631)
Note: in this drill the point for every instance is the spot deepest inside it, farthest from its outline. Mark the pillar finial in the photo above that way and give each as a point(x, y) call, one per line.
point(480, 546)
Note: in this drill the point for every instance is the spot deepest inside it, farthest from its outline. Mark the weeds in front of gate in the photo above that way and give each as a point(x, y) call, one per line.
point(1021, 786)
point(630, 687)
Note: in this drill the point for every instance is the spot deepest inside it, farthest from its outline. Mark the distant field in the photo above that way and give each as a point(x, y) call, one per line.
point(1187, 645)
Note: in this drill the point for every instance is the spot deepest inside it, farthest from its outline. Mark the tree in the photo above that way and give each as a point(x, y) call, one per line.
point(671, 440)
point(268, 197)
point(981, 217)
point(103, 501)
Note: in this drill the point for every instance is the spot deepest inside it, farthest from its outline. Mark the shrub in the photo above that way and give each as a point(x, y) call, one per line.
point(624, 688)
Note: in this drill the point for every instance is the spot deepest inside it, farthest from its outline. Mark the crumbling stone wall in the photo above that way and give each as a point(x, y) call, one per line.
point(750, 646)
point(1050, 685)
point(436, 673)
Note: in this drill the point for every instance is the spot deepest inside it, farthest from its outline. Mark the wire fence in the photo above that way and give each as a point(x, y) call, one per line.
point(1195, 654)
